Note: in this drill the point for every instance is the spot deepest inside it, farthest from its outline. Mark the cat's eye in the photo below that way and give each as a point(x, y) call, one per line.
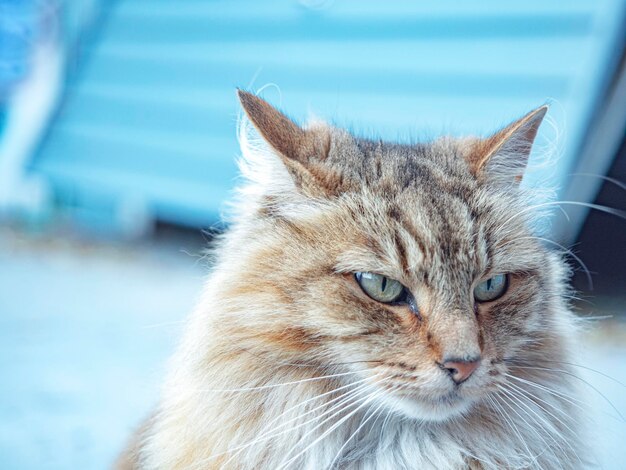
point(381, 288)
point(491, 289)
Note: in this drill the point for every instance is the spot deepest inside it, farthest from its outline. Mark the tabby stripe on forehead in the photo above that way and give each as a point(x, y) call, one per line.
point(402, 254)
point(408, 226)
point(489, 247)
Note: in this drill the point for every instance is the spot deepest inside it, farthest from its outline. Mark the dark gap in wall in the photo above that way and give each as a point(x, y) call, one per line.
point(602, 245)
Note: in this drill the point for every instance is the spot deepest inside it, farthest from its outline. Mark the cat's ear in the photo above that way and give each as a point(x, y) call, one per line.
point(302, 151)
point(504, 155)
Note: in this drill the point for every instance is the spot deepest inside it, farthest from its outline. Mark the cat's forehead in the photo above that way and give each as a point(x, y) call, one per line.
point(391, 167)
point(414, 182)
point(423, 207)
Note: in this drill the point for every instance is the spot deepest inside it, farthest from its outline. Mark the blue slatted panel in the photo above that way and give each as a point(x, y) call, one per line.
point(18, 32)
point(151, 115)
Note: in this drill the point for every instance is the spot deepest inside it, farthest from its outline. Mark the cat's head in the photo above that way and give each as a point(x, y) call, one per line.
point(412, 266)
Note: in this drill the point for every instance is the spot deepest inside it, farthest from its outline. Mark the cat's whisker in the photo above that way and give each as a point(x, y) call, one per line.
point(346, 396)
point(329, 419)
point(541, 430)
point(528, 425)
point(532, 397)
point(375, 394)
point(364, 421)
point(508, 420)
point(268, 386)
point(344, 400)
point(543, 423)
point(562, 371)
point(568, 398)
point(362, 382)
point(533, 458)
point(589, 369)
point(535, 397)
point(614, 181)
point(512, 399)
point(390, 413)
point(328, 431)
point(593, 318)
point(576, 298)
point(579, 404)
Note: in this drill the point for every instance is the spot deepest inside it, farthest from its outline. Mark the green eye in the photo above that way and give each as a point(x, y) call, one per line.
point(491, 289)
point(381, 288)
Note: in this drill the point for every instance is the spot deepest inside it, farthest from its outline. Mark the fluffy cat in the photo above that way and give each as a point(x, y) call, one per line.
point(374, 306)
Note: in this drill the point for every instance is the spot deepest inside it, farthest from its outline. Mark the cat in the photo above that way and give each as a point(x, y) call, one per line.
point(374, 306)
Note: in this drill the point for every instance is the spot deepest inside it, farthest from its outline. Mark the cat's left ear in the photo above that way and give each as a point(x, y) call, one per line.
point(302, 151)
point(504, 156)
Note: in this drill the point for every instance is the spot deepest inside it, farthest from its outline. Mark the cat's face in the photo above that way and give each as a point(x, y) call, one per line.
point(411, 266)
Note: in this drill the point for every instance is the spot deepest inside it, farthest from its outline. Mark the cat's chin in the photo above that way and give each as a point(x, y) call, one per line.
point(440, 410)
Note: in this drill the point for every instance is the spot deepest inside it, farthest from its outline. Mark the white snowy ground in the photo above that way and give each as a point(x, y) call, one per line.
point(85, 331)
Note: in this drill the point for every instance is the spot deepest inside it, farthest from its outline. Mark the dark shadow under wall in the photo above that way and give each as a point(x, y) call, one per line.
point(602, 246)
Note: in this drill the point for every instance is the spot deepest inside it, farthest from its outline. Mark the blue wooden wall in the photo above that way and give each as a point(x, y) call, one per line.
point(147, 123)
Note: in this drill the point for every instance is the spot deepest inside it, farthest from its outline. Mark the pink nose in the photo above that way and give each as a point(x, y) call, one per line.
point(460, 370)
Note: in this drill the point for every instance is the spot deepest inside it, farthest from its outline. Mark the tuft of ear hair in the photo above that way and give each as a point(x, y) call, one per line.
point(504, 155)
point(302, 151)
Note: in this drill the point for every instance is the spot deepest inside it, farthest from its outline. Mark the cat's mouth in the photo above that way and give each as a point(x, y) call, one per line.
point(451, 398)
point(432, 405)
point(429, 408)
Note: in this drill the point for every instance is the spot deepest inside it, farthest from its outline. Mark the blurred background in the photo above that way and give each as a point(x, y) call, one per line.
point(118, 149)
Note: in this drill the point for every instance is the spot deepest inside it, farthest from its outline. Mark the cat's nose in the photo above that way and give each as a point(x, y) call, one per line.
point(460, 369)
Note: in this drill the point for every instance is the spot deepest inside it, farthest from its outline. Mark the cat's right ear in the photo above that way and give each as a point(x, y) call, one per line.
point(504, 155)
point(302, 151)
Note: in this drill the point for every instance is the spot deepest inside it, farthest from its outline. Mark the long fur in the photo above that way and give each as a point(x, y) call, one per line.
point(285, 364)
